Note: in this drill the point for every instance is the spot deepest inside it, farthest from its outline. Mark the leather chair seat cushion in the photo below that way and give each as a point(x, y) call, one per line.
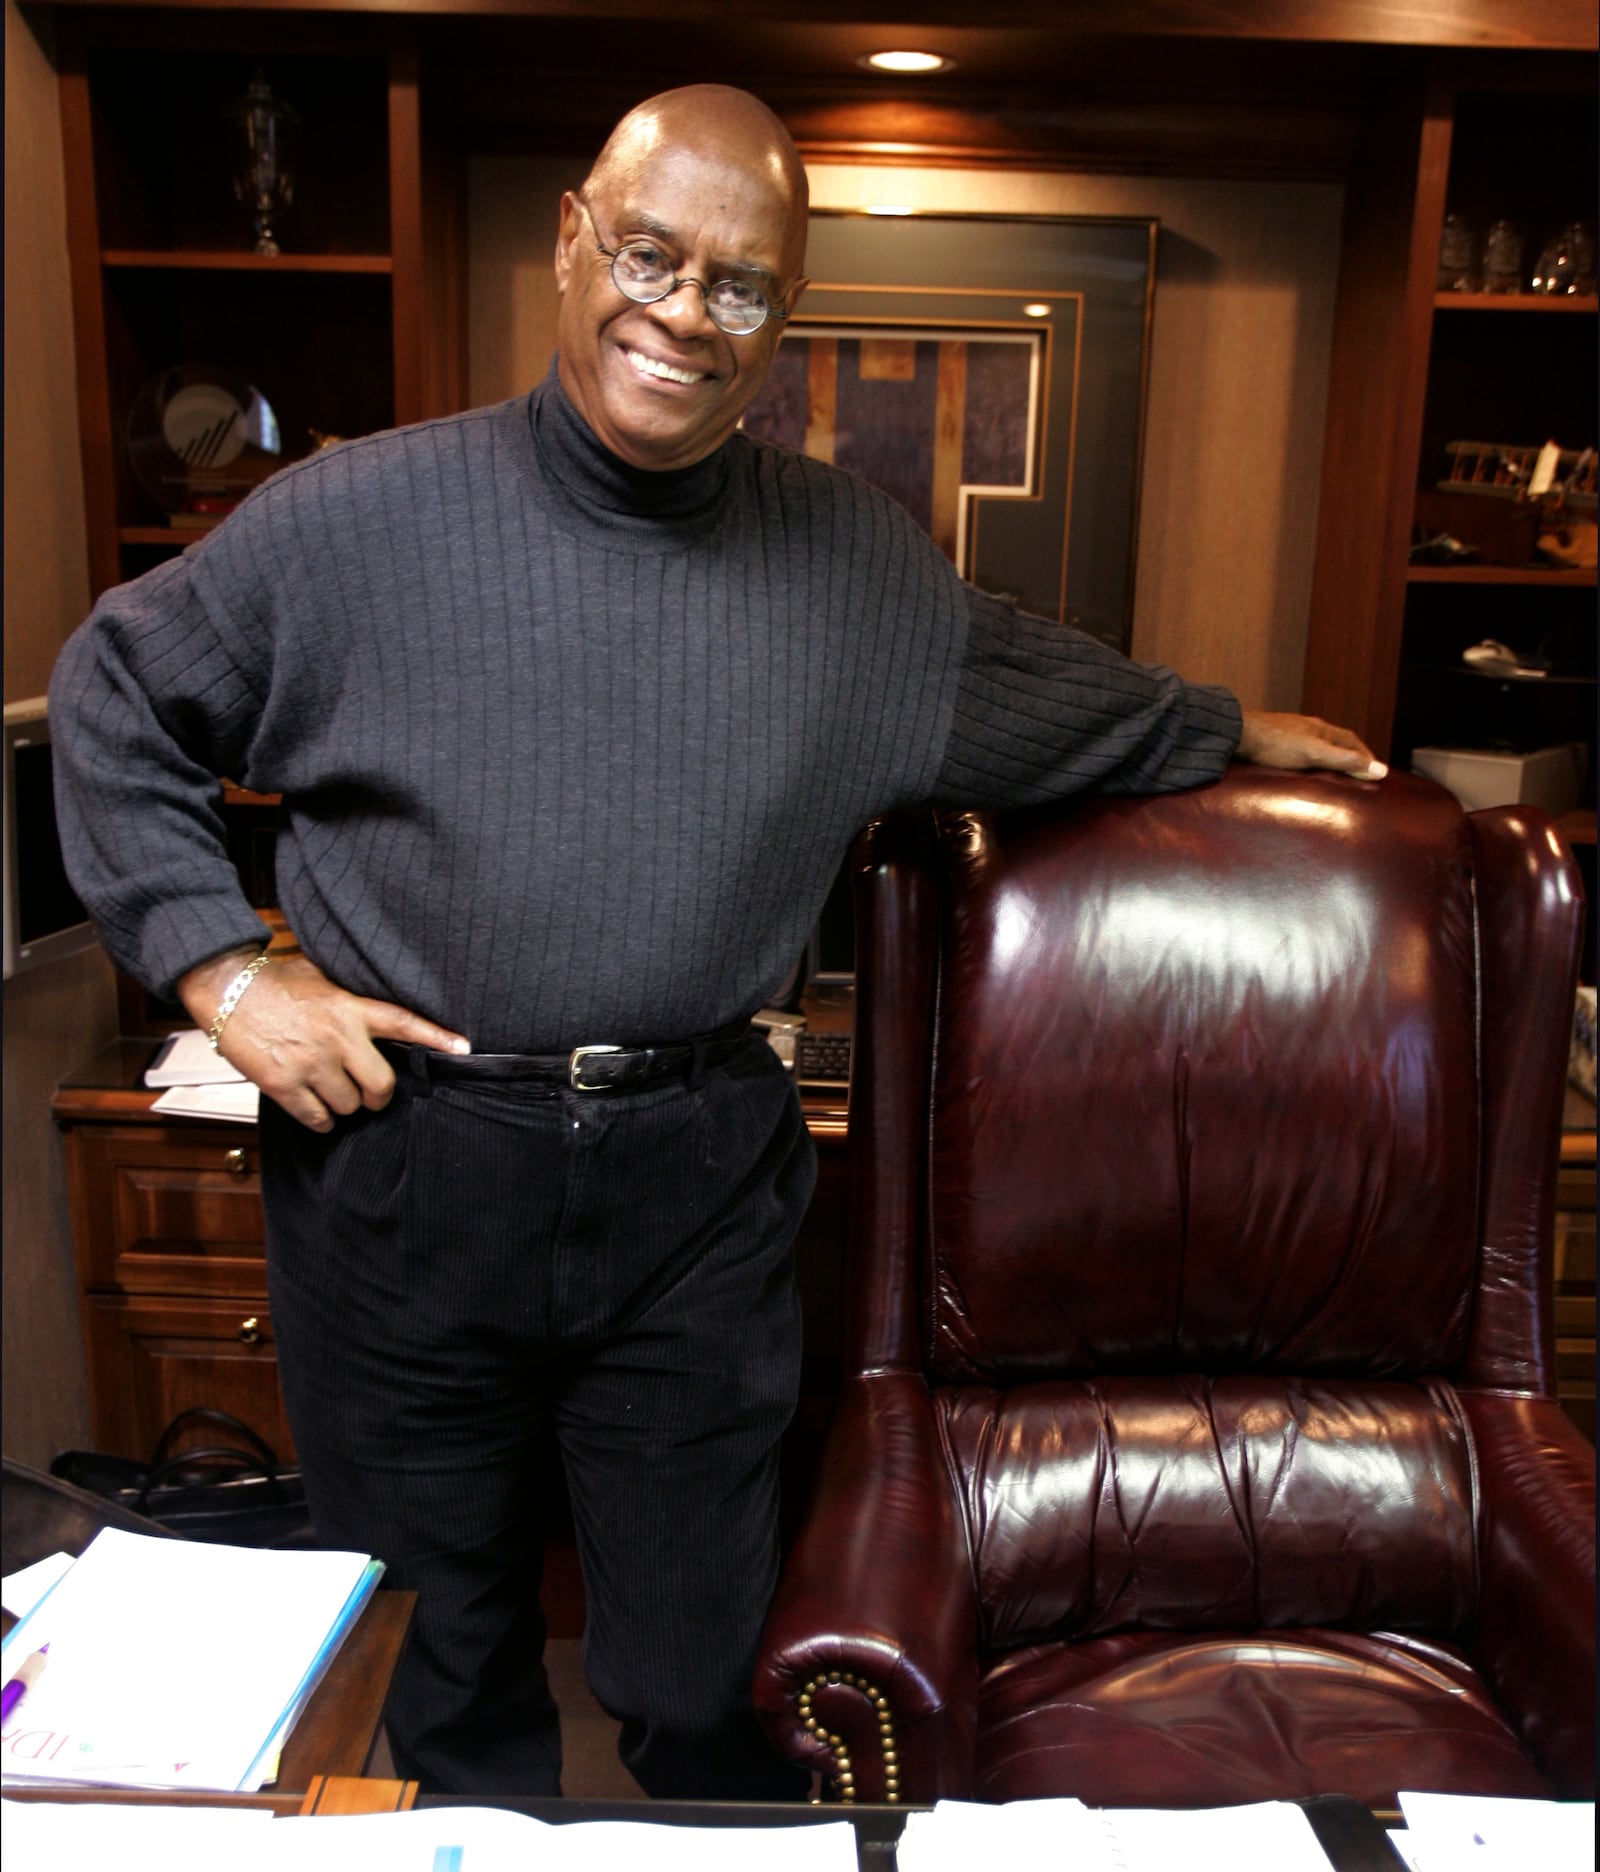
point(1188, 1720)
point(1190, 1502)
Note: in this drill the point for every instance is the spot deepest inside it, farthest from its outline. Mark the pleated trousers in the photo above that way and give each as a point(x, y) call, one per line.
point(481, 1264)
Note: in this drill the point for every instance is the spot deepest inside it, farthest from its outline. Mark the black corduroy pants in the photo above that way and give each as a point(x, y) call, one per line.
point(479, 1261)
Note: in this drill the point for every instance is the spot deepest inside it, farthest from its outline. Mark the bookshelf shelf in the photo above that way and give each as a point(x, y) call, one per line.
point(200, 260)
point(1534, 577)
point(1569, 304)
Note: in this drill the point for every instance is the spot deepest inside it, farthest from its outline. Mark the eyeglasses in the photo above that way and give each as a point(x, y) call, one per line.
point(640, 271)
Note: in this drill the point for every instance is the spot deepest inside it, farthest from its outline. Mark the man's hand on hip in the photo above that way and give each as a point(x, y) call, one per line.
point(1299, 741)
point(306, 1042)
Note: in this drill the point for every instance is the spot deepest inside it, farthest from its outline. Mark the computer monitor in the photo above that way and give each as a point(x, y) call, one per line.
point(831, 953)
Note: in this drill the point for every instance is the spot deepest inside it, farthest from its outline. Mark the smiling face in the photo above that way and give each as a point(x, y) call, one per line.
point(708, 176)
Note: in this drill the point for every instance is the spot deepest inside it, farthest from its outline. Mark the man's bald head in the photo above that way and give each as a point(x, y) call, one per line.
point(712, 120)
point(706, 185)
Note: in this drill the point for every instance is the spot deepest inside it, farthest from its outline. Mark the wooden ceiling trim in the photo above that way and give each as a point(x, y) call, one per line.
point(1558, 25)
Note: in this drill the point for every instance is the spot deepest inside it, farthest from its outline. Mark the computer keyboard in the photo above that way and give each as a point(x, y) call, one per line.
point(822, 1058)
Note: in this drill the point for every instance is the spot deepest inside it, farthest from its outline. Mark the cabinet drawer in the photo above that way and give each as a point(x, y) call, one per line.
point(164, 1211)
point(151, 1358)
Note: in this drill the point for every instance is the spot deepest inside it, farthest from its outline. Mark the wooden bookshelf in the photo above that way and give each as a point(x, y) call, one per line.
point(352, 328)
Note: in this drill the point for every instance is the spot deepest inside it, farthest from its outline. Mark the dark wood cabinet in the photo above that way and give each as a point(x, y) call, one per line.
point(171, 1264)
point(152, 1356)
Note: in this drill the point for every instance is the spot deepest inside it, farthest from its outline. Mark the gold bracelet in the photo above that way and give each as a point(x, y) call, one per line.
point(233, 994)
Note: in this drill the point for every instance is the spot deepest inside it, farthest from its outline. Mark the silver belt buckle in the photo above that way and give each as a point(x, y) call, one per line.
point(575, 1061)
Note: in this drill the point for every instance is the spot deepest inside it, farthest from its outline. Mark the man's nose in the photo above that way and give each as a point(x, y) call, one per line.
point(685, 311)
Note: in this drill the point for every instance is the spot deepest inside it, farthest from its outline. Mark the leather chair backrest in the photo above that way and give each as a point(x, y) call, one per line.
point(1200, 1147)
point(1206, 1089)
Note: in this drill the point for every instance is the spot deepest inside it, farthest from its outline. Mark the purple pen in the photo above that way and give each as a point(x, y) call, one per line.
point(19, 1686)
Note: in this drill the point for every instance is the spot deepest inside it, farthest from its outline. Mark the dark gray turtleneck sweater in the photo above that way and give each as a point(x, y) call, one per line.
point(570, 752)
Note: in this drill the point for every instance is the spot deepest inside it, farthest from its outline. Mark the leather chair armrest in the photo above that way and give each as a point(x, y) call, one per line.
point(868, 1667)
point(1533, 1638)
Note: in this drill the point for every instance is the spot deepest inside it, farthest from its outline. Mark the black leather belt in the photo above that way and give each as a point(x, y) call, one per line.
point(596, 1068)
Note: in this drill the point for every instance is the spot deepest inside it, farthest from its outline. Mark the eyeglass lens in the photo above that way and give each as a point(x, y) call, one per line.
point(644, 274)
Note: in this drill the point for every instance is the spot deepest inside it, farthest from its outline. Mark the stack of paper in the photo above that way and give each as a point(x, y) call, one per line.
point(175, 1664)
point(1478, 1833)
point(1043, 1835)
point(199, 1082)
point(434, 1839)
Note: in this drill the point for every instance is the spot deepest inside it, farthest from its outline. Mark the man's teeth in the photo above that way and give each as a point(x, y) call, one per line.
point(653, 368)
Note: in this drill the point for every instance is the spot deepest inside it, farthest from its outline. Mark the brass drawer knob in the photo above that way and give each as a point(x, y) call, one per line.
point(236, 1161)
point(250, 1331)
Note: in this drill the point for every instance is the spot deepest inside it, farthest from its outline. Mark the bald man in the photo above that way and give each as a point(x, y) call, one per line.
point(574, 704)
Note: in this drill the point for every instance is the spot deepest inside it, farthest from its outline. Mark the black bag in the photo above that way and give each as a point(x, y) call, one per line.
point(235, 1492)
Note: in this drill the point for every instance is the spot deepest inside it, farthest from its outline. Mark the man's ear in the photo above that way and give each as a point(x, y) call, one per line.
point(566, 238)
point(796, 294)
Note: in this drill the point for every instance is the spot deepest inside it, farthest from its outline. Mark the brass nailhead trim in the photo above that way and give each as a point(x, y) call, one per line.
point(844, 1768)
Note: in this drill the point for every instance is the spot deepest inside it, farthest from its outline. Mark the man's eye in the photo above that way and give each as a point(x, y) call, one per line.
point(739, 294)
point(644, 261)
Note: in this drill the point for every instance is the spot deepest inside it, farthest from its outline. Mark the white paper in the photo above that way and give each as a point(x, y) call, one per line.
point(90, 1837)
point(1046, 1835)
point(1016, 1835)
point(172, 1663)
point(238, 1104)
point(21, 1591)
point(1267, 1836)
point(487, 1839)
point(431, 1839)
point(189, 1059)
point(1477, 1833)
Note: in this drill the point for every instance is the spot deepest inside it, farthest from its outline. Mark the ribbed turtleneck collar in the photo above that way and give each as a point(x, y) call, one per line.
point(609, 491)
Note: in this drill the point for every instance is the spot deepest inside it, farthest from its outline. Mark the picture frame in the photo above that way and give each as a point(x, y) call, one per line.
point(990, 372)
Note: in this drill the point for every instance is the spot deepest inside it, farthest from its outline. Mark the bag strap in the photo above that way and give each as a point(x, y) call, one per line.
point(238, 1464)
point(207, 1414)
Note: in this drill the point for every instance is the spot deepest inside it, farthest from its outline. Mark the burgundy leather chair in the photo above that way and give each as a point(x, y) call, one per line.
point(1196, 1442)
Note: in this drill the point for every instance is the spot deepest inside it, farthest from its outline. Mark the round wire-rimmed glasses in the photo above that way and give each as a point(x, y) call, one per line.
point(640, 271)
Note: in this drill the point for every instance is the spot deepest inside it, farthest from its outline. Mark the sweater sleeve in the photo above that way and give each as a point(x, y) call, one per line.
point(1043, 711)
point(148, 704)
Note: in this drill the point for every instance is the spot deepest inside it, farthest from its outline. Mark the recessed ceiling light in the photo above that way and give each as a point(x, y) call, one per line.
point(890, 208)
point(1037, 310)
point(918, 63)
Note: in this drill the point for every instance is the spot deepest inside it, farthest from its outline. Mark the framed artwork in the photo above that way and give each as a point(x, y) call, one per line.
point(989, 372)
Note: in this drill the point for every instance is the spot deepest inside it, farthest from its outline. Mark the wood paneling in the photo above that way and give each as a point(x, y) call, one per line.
point(46, 586)
point(1374, 415)
point(822, 396)
point(405, 225)
point(98, 441)
point(54, 1017)
point(949, 434)
point(1049, 103)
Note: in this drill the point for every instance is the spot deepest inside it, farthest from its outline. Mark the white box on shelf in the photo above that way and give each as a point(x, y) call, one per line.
point(1551, 777)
